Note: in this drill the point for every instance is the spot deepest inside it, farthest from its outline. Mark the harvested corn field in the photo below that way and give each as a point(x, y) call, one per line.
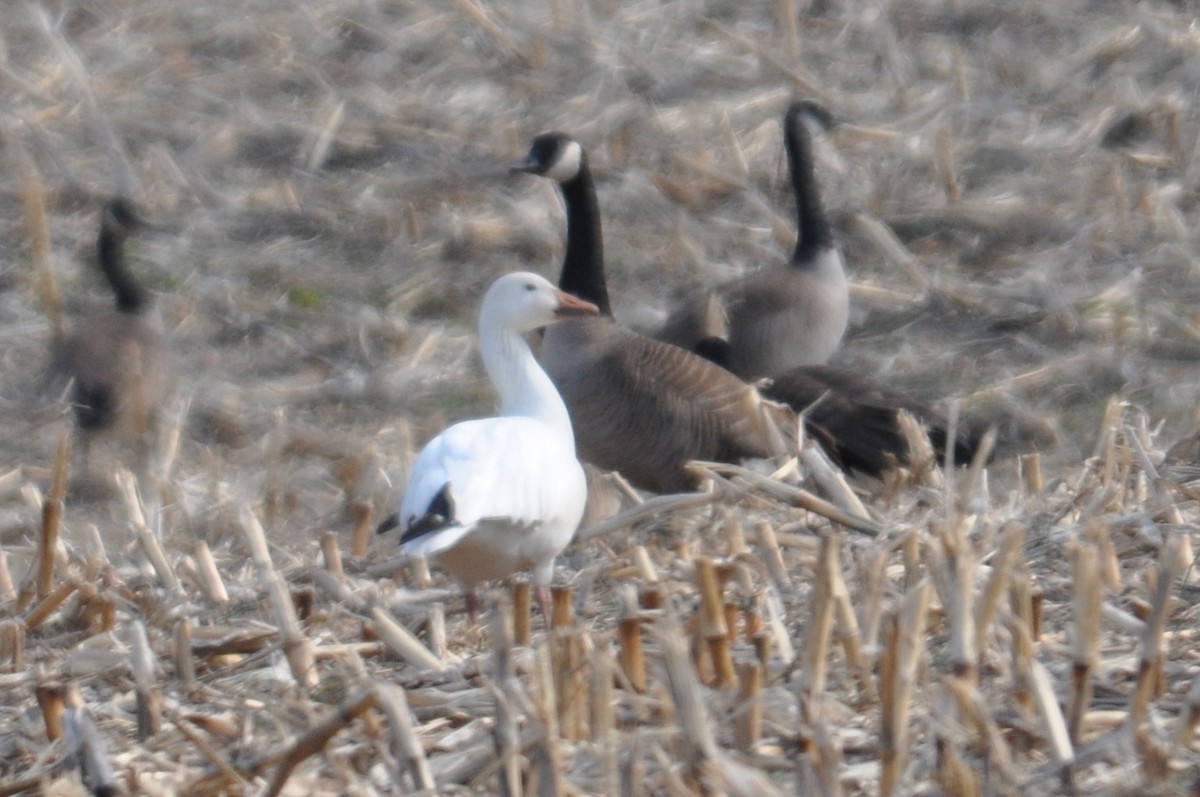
point(205, 610)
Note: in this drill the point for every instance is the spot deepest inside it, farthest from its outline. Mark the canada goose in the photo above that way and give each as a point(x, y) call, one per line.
point(778, 317)
point(118, 363)
point(854, 418)
point(493, 496)
point(639, 406)
point(644, 408)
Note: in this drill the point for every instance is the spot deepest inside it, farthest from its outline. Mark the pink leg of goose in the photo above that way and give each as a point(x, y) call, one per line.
point(543, 598)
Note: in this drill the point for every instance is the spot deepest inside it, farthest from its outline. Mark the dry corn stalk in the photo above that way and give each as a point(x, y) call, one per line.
point(629, 650)
point(989, 604)
point(50, 696)
point(820, 625)
point(403, 643)
point(897, 680)
point(567, 656)
point(1085, 604)
point(952, 562)
point(127, 485)
point(748, 725)
point(406, 748)
point(1170, 567)
point(522, 608)
point(43, 609)
point(312, 742)
point(296, 646)
point(560, 606)
point(51, 516)
point(208, 573)
point(87, 747)
point(331, 553)
point(505, 732)
point(33, 198)
point(713, 630)
point(185, 668)
point(149, 696)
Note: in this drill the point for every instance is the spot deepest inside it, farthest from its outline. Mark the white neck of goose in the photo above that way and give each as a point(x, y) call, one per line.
point(524, 388)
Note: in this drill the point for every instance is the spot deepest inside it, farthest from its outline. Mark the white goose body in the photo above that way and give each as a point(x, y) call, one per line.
point(494, 496)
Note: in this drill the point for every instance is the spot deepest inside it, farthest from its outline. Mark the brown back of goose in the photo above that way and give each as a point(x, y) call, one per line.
point(644, 408)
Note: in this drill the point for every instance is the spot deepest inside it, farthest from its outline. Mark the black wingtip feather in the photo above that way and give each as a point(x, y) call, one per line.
point(966, 443)
point(856, 420)
point(438, 515)
point(388, 523)
point(715, 350)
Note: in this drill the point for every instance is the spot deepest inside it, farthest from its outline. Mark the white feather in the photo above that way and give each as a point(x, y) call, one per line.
point(516, 489)
point(566, 165)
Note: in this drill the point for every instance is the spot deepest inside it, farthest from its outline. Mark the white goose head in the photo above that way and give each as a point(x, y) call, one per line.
point(515, 304)
point(524, 301)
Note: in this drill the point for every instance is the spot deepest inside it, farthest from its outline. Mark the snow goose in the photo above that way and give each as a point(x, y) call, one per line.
point(489, 497)
point(118, 364)
point(639, 406)
point(778, 317)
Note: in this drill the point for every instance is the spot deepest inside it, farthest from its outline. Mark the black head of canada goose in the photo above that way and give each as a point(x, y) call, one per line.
point(638, 406)
point(118, 363)
point(780, 316)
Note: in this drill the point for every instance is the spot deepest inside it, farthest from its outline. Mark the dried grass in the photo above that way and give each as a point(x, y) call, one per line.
point(1012, 185)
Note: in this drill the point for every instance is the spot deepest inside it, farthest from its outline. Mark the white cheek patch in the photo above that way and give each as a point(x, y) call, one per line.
point(566, 166)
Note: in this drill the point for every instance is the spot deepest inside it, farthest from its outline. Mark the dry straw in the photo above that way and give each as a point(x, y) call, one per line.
point(1005, 181)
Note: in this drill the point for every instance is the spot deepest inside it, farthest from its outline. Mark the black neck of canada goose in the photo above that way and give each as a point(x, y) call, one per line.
point(562, 159)
point(116, 223)
point(814, 234)
point(583, 264)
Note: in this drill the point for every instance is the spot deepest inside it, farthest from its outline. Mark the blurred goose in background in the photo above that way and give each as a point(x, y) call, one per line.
point(639, 406)
point(644, 408)
point(778, 317)
point(117, 364)
point(490, 497)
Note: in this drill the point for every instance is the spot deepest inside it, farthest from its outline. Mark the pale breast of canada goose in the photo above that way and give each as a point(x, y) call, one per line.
point(118, 363)
point(638, 406)
point(781, 316)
